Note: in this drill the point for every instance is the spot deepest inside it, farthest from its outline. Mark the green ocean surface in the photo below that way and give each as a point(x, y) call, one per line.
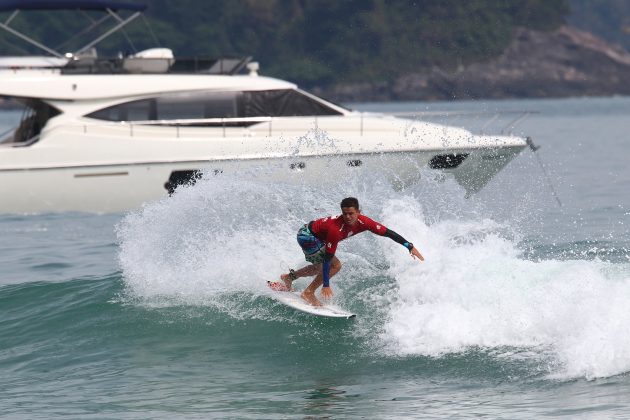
point(519, 311)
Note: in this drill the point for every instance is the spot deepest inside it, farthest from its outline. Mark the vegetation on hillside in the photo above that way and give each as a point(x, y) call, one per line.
point(319, 42)
point(609, 19)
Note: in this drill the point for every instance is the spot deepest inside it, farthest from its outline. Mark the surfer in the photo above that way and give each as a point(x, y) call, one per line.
point(319, 238)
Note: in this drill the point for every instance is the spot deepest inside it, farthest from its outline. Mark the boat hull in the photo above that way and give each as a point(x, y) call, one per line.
point(122, 187)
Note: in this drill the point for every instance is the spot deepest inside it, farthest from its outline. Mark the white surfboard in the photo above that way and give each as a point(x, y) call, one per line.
point(293, 300)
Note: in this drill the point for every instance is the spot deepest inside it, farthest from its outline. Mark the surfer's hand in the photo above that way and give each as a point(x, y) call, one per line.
point(327, 292)
point(416, 254)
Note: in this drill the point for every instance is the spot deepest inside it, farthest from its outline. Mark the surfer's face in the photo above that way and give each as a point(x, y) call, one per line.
point(350, 215)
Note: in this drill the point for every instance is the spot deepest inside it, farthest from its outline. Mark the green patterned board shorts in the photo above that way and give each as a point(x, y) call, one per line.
point(314, 249)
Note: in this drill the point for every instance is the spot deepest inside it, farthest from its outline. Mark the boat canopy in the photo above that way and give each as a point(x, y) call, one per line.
point(6, 5)
point(110, 8)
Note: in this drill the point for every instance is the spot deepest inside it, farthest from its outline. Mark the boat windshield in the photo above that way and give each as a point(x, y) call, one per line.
point(208, 105)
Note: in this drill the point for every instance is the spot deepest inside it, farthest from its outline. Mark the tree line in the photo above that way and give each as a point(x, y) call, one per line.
point(316, 43)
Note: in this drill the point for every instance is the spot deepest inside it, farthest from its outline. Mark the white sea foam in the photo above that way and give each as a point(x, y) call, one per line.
point(475, 290)
point(204, 241)
point(221, 235)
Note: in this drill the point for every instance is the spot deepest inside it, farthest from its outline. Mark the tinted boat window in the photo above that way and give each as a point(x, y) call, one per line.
point(266, 103)
point(131, 111)
point(35, 116)
point(140, 110)
point(222, 105)
point(179, 108)
point(197, 106)
point(173, 107)
point(282, 103)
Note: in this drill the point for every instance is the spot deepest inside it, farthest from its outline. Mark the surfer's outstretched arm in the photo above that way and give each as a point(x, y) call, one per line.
point(397, 238)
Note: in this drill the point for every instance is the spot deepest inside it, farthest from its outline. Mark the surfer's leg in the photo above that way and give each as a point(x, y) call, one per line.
point(309, 293)
point(306, 271)
point(335, 266)
point(292, 275)
point(314, 251)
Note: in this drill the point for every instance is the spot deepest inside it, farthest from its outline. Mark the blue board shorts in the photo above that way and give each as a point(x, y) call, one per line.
point(313, 248)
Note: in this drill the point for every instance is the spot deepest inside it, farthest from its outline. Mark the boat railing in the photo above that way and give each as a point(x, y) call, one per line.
point(189, 128)
point(179, 127)
point(480, 122)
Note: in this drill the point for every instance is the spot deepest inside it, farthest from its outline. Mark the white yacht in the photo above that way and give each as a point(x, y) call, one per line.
point(105, 135)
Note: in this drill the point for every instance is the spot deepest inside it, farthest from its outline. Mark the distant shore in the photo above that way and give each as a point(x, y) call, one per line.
point(566, 62)
point(563, 63)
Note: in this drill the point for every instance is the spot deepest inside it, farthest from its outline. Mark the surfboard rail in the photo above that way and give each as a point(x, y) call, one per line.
point(293, 300)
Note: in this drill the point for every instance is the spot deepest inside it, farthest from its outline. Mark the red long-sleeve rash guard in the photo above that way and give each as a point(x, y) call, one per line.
point(332, 230)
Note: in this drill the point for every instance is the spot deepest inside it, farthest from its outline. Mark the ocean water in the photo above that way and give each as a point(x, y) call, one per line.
point(519, 311)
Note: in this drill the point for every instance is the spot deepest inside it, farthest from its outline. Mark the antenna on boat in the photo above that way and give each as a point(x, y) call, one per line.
point(534, 148)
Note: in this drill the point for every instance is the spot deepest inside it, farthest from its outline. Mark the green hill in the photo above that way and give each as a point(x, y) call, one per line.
point(609, 19)
point(319, 43)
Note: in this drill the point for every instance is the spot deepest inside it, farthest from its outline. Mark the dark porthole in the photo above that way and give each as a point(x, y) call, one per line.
point(449, 161)
point(297, 166)
point(177, 178)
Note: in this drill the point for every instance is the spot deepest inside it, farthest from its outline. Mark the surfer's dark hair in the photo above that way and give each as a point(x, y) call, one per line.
point(350, 202)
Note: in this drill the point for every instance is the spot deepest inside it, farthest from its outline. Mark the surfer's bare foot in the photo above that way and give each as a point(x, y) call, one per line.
point(288, 278)
point(287, 281)
point(310, 298)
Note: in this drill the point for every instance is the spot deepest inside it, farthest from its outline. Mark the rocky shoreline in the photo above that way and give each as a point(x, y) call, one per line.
point(564, 63)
